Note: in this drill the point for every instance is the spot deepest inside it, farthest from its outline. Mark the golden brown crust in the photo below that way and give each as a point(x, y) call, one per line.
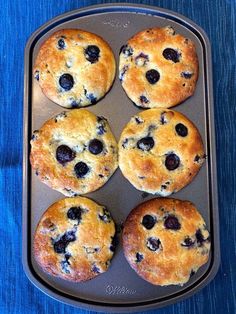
point(146, 170)
point(91, 80)
point(172, 263)
point(144, 52)
point(75, 129)
point(87, 253)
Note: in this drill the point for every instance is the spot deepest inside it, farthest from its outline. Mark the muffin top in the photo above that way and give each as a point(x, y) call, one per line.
point(74, 239)
point(74, 68)
point(74, 152)
point(165, 241)
point(158, 68)
point(160, 151)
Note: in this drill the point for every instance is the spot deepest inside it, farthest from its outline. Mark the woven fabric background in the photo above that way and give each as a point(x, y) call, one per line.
point(18, 20)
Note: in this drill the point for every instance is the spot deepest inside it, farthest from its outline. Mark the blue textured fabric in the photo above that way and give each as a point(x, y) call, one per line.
point(18, 20)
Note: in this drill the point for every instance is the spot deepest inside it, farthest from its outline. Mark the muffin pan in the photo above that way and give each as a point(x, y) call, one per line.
point(120, 289)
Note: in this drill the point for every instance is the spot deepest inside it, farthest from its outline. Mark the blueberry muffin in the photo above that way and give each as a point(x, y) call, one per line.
point(160, 151)
point(165, 241)
point(158, 68)
point(74, 239)
point(74, 152)
point(74, 68)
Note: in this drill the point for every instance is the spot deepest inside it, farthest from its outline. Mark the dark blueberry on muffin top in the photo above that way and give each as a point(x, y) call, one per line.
point(172, 162)
point(146, 143)
point(74, 213)
point(152, 76)
point(61, 44)
point(172, 223)
point(171, 54)
point(153, 244)
point(66, 81)
point(64, 154)
point(139, 257)
point(95, 146)
point(181, 130)
point(148, 221)
point(81, 169)
point(92, 53)
point(188, 242)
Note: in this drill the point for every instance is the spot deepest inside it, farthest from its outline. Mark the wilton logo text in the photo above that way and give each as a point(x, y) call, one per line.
point(110, 289)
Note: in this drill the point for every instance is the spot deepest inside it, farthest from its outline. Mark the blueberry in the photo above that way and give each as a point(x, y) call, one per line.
point(192, 273)
point(69, 236)
point(188, 242)
point(138, 119)
point(126, 50)
point(36, 75)
point(95, 146)
point(143, 99)
point(148, 221)
point(92, 53)
point(152, 76)
point(181, 130)
point(61, 244)
point(172, 162)
point(141, 59)
point(105, 216)
point(95, 269)
point(61, 44)
point(171, 54)
point(35, 135)
point(92, 98)
point(186, 75)
point(74, 213)
point(114, 243)
point(139, 257)
point(172, 223)
point(199, 237)
point(67, 257)
point(75, 104)
point(64, 154)
point(122, 72)
point(121, 49)
point(60, 116)
point(153, 244)
point(65, 263)
point(81, 169)
point(101, 125)
point(125, 143)
point(197, 158)
point(146, 143)
point(66, 81)
point(163, 119)
point(101, 129)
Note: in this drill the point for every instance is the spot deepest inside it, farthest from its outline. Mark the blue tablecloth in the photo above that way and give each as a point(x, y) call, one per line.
point(19, 19)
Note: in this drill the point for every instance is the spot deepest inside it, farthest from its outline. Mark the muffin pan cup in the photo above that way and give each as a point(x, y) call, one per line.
point(120, 289)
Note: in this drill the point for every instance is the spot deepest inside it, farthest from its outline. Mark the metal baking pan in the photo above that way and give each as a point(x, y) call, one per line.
point(120, 289)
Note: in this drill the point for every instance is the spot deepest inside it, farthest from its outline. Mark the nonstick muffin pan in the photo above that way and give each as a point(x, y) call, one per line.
point(120, 289)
